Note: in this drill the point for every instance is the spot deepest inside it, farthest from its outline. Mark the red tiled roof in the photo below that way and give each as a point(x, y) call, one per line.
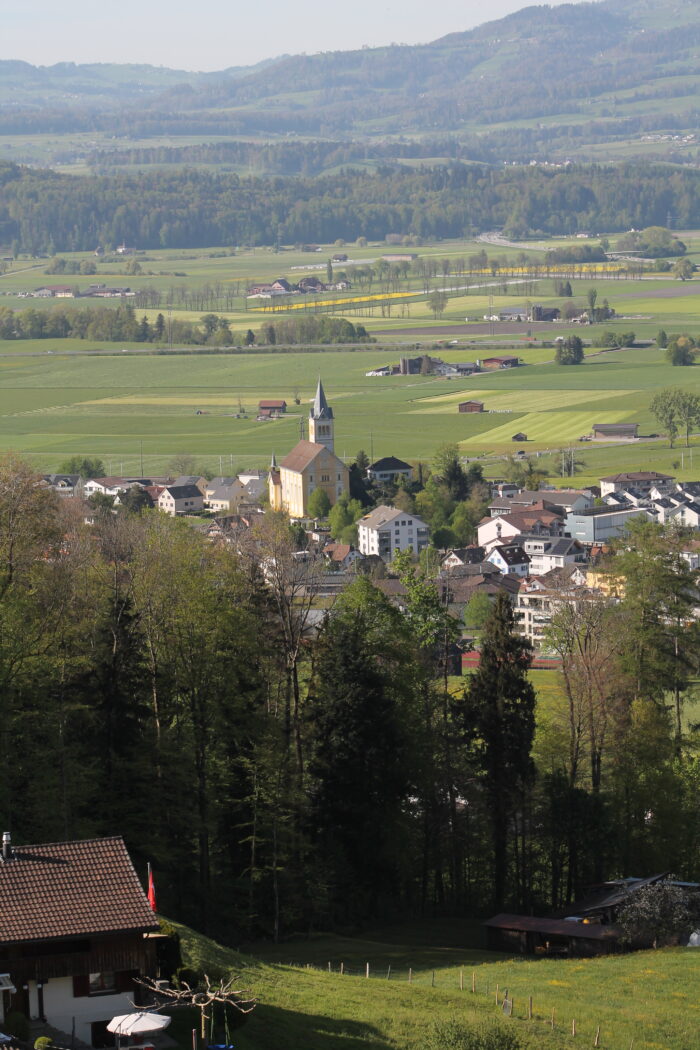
point(71, 889)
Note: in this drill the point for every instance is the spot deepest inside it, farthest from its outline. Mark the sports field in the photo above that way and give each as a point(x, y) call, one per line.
point(122, 406)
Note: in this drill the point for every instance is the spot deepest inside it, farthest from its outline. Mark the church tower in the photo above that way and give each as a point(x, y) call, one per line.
point(321, 420)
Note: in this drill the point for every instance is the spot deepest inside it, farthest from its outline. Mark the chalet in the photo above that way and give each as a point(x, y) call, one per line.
point(470, 406)
point(616, 431)
point(75, 930)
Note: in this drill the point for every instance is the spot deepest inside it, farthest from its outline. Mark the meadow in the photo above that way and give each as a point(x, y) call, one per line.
point(122, 406)
point(646, 999)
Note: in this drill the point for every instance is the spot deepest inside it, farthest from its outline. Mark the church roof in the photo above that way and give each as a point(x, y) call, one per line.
point(303, 453)
point(321, 409)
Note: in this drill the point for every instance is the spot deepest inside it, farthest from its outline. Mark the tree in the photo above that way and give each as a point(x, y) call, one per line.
point(661, 339)
point(477, 611)
point(319, 504)
point(448, 467)
point(591, 297)
point(437, 301)
point(498, 714)
point(362, 461)
point(569, 351)
point(658, 913)
point(182, 464)
point(249, 337)
point(343, 515)
point(86, 466)
point(681, 350)
point(687, 411)
point(683, 269)
point(664, 407)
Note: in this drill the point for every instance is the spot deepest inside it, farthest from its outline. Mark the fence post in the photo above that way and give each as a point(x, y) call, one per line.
point(473, 982)
point(433, 981)
point(596, 1041)
point(388, 973)
point(329, 967)
point(573, 1026)
point(529, 1008)
point(461, 979)
point(367, 970)
point(497, 995)
point(410, 975)
point(342, 969)
point(552, 1019)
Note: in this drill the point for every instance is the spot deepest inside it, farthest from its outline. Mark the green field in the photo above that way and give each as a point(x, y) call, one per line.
point(119, 406)
point(646, 998)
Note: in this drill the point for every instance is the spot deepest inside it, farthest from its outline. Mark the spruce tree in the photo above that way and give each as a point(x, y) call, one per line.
point(499, 719)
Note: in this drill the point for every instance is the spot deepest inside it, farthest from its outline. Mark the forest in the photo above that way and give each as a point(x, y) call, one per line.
point(287, 774)
point(42, 212)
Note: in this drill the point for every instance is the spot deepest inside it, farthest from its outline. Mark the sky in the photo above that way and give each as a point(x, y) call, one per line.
point(215, 34)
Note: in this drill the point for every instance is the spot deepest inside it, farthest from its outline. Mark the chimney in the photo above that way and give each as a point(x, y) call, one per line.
point(6, 846)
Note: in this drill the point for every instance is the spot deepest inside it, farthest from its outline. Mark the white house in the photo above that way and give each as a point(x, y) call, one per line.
point(642, 480)
point(386, 530)
point(181, 499)
point(511, 559)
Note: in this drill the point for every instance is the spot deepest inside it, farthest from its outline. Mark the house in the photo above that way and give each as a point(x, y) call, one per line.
point(457, 557)
point(113, 485)
point(311, 284)
point(75, 930)
point(389, 470)
point(498, 530)
point(615, 431)
point(341, 555)
point(386, 530)
point(470, 406)
point(224, 495)
point(310, 465)
point(539, 599)
point(64, 484)
point(546, 554)
point(192, 479)
point(511, 559)
point(640, 479)
point(271, 409)
point(180, 499)
point(600, 524)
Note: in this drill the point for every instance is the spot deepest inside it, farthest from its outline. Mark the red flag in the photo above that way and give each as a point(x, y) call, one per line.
point(151, 889)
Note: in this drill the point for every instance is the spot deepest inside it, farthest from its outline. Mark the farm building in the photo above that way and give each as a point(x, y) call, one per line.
point(505, 361)
point(519, 436)
point(530, 935)
point(621, 431)
point(471, 406)
point(272, 408)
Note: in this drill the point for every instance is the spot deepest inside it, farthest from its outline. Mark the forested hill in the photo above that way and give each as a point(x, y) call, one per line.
point(41, 211)
point(590, 61)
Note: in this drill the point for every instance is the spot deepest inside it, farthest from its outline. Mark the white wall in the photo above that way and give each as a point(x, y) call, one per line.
point(60, 1007)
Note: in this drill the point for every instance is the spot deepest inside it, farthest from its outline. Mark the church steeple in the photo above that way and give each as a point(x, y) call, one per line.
point(321, 419)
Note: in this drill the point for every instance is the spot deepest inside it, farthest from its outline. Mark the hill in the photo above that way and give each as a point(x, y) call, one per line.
point(544, 82)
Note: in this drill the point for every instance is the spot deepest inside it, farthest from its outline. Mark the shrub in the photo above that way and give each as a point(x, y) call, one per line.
point(16, 1024)
point(455, 1035)
point(43, 1042)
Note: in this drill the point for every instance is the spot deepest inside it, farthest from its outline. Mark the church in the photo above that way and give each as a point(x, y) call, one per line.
point(310, 465)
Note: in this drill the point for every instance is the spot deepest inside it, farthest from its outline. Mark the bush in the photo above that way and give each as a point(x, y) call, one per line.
point(43, 1042)
point(455, 1035)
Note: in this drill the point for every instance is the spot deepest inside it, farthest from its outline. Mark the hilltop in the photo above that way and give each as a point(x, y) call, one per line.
point(541, 81)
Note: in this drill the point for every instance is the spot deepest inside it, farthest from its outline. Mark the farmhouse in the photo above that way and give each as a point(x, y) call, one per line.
point(271, 408)
point(470, 406)
point(74, 933)
point(181, 499)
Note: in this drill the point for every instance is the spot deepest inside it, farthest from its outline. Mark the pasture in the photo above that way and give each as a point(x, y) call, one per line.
point(121, 406)
point(646, 998)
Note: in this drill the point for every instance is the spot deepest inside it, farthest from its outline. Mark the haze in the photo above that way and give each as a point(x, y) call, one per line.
point(213, 34)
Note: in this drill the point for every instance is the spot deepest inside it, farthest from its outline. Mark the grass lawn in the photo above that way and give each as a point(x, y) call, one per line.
point(646, 997)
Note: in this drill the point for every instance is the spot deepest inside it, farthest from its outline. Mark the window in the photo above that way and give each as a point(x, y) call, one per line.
point(103, 983)
point(325, 477)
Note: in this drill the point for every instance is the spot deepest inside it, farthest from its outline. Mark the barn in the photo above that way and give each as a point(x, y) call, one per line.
point(471, 406)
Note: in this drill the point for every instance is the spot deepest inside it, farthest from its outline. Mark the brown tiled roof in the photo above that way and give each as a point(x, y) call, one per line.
point(303, 453)
point(71, 889)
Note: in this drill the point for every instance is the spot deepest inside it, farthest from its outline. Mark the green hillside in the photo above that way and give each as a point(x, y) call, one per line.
point(646, 998)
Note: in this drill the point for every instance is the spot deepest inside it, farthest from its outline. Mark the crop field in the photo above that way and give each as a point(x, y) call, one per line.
point(120, 406)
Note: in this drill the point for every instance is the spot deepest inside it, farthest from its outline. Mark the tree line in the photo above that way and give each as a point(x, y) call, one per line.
point(189, 208)
point(282, 777)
